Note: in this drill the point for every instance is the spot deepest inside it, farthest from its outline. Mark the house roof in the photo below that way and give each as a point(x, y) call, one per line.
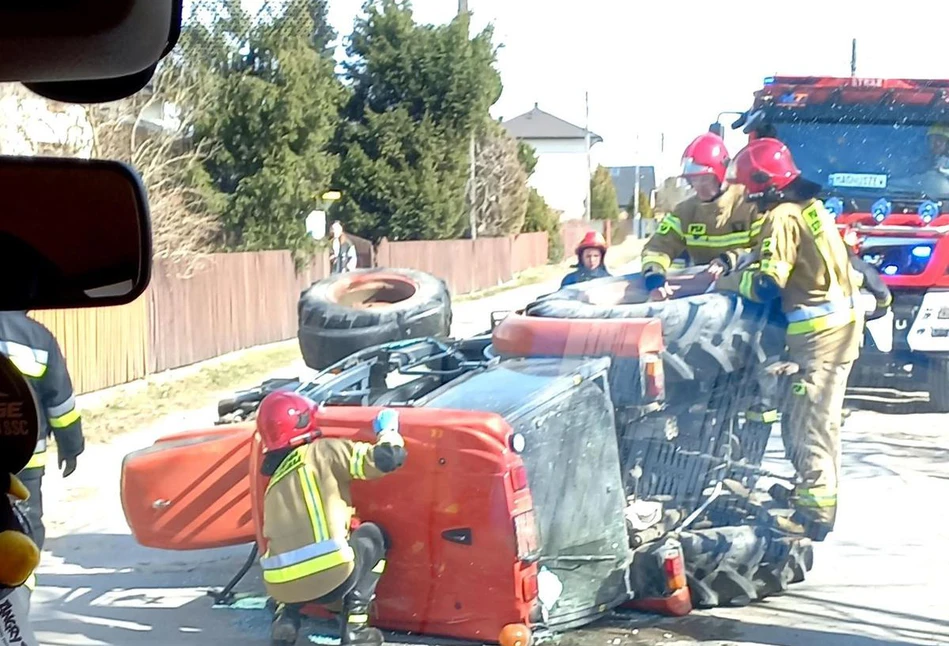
point(538, 124)
point(624, 181)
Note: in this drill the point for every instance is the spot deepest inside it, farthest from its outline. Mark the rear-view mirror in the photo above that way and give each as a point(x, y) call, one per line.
point(86, 51)
point(73, 233)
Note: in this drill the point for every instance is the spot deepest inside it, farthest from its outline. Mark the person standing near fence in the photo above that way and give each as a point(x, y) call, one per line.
point(343, 252)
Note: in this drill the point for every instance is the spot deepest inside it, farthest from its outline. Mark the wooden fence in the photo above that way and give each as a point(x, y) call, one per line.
point(239, 300)
point(467, 265)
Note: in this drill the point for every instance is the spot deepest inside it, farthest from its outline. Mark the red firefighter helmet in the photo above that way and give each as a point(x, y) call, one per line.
point(592, 240)
point(706, 155)
point(762, 165)
point(285, 420)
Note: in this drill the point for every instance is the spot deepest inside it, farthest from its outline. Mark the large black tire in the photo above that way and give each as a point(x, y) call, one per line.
point(349, 312)
point(735, 566)
point(705, 335)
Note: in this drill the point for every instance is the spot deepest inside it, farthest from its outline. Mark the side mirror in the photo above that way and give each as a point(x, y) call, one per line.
point(717, 129)
point(73, 233)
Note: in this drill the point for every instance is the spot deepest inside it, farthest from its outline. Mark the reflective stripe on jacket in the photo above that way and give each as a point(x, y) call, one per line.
point(307, 513)
point(802, 253)
point(721, 229)
point(31, 347)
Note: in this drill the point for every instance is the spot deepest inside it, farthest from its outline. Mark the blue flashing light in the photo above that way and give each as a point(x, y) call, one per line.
point(835, 205)
point(881, 208)
point(890, 270)
point(928, 210)
point(923, 251)
point(769, 80)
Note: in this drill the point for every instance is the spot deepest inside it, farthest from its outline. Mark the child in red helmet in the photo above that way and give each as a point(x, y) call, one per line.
point(714, 226)
point(591, 259)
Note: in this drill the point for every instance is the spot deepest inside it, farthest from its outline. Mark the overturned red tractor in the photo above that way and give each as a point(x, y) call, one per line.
point(564, 466)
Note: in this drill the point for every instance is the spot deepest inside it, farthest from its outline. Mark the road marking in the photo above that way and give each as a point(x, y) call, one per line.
point(111, 623)
point(73, 639)
point(57, 566)
point(75, 594)
point(148, 598)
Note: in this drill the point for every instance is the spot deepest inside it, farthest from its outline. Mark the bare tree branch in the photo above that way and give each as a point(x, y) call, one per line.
point(501, 192)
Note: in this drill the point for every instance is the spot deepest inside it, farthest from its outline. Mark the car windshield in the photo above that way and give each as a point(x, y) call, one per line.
point(869, 159)
point(632, 395)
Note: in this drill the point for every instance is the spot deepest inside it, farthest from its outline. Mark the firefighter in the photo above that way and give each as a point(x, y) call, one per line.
point(713, 226)
point(803, 261)
point(591, 260)
point(938, 138)
point(34, 351)
point(311, 554)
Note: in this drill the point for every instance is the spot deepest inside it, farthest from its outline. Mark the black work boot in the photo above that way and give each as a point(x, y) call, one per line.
point(816, 529)
point(803, 526)
point(360, 633)
point(355, 617)
point(286, 625)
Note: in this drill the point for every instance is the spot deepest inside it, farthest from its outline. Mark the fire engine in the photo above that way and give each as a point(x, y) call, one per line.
point(880, 148)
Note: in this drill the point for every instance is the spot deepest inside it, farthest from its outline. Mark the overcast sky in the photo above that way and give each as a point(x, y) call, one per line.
point(670, 67)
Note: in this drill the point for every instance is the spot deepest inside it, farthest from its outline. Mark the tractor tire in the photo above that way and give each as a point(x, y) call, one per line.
point(735, 566)
point(346, 313)
point(705, 335)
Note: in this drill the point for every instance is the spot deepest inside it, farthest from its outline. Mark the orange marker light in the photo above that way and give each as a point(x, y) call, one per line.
point(515, 635)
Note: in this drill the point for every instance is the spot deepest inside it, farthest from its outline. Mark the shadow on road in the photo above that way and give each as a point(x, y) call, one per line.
point(110, 590)
point(708, 628)
point(919, 449)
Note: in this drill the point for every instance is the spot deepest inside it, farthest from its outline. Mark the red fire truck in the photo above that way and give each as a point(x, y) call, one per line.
point(880, 148)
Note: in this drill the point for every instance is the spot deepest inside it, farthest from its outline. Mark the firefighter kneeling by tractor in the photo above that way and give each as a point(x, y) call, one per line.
point(311, 555)
point(803, 261)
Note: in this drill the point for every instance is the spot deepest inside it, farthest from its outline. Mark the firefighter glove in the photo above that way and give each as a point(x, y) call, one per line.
point(387, 421)
point(67, 464)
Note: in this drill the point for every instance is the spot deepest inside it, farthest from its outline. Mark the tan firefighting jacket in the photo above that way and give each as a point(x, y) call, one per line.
point(307, 515)
point(803, 253)
point(724, 229)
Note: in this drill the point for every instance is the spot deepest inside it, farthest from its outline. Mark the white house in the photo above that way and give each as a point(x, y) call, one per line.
point(562, 174)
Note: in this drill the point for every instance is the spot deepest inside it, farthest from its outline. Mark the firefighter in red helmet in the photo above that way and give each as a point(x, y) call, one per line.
point(591, 260)
point(311, 554)
point(714, 226)
point(802, 260)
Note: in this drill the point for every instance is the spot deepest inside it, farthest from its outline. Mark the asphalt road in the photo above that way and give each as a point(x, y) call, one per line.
point(879, 580)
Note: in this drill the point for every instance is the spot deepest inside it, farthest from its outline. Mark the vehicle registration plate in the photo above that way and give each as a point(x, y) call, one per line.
point(857, 180)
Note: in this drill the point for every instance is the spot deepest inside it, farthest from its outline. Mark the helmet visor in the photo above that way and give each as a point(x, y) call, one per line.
point(731, 173)
point(692, 167)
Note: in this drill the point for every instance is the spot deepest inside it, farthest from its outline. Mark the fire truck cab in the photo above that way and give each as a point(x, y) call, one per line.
point(880, 148)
